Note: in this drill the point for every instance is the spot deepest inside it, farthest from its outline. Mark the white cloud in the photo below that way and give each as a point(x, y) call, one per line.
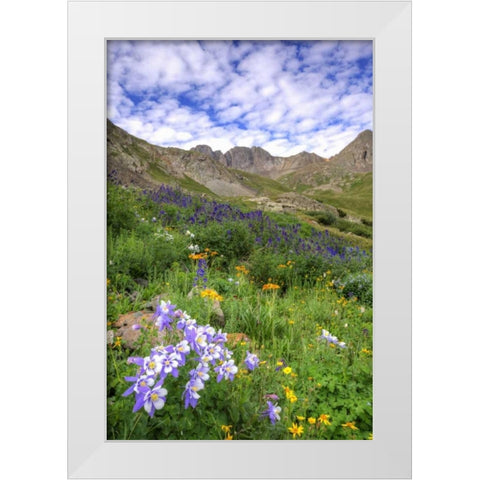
point(283, 97)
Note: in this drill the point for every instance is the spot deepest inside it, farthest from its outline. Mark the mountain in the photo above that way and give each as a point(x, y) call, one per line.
point(357, 156)
point(132, 160)
point(241, 171)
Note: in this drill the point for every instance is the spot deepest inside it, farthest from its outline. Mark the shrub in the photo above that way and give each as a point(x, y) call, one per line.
point(358, 285)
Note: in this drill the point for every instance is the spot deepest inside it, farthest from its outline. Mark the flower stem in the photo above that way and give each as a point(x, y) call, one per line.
point(134, 425)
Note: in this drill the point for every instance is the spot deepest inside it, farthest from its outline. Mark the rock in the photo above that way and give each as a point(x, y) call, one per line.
point(125, 323)
point(110, 337)
point(218, 312)
point(234, 338)
point(152, 304)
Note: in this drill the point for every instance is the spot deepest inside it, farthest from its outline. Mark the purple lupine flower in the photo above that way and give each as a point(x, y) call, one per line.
point(272, 412)
point(190, 394)
point(226, 370)
point(251, 361)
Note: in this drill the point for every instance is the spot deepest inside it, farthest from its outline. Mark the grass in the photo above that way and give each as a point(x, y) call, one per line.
point(356, 199)
point(262, 185)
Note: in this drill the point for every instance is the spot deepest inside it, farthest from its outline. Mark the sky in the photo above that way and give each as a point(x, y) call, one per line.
point(284, 96)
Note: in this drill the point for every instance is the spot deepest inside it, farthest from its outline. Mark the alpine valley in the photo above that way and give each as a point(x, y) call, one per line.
point(333, 192)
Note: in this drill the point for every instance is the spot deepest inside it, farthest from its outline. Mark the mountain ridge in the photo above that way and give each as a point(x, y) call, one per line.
point(135, 161)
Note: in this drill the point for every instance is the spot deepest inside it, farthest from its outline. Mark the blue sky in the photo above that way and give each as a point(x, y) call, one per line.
point(283, 96)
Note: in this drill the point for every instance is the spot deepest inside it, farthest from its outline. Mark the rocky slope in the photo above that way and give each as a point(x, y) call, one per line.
point(133, 160)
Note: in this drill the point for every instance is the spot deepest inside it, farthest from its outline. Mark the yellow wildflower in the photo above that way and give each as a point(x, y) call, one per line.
point(312, 420)
point(323, 418)
point(300, 418)
point(270, 286)
point(212, 294)
point(295, 430)
point(198, 256)
point(226, 428)
point(350, 425)
point(287, 370)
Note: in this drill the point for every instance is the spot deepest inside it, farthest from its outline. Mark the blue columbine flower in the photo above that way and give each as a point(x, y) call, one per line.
point(226, 370)
point(251, 361)
point(164, 314)
point(169, 364)
point(272, 412)
point(152, 400)
point(141, 384)
point(190, 394)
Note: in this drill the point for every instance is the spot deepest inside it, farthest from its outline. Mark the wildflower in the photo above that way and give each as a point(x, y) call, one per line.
point(291, 322)
point(226, 428)
point(287, 370)
point(350, 425)
point(323, 418)
point(311, 420)
point(212, 294)
point(200, 274)
point(272, 396)
point(242, 269)
point(140, 385)
point(226, 370)
point(198, 256)
point(229, 436)
point(190, 394)
point(270, 286)
point(200, 372)
point(169, 364)
point(252, 361)
point(300, 418)
point(280, 363)
point(152, 400)
point(164, 314)
point(181, 350)
point(272, 412)
point(295, 430)
point(366, 351)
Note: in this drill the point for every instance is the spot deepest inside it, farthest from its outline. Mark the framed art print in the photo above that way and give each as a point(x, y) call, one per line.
point(239, 239)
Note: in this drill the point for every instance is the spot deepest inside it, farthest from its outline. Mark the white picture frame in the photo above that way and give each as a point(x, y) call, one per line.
point(90, 25)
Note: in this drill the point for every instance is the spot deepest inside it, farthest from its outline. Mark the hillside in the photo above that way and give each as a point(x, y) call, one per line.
point(305, 182)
